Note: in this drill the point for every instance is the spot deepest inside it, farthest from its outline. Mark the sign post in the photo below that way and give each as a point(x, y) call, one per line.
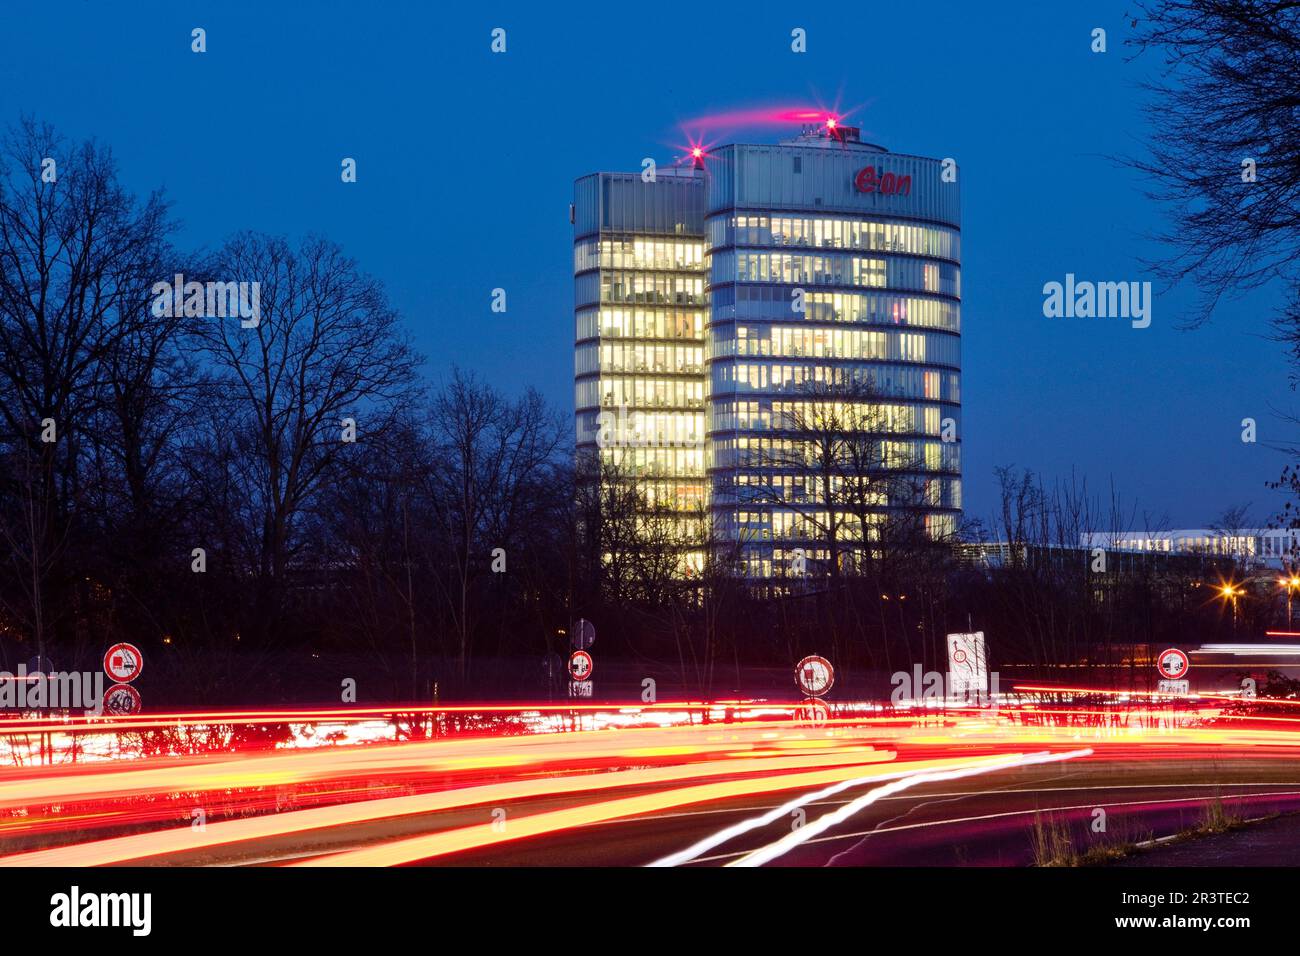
point(122, 663)
point(581, 665)
point(814, 675)
point(584, 635)
point(968, 668)
point(580, 668)
point(122, 700)
point(1172, 665)
point(813, 711)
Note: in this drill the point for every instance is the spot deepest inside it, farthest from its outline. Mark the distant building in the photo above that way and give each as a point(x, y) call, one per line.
point(640, 315)
point(994, 555)
point(710, 304)
point(833, 264)
point(1269, 547)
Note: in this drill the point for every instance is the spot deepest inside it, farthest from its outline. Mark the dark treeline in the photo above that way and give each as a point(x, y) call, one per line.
point(278, 499)
point(243, 495)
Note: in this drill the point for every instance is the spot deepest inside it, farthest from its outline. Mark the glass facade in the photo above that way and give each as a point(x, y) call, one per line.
point(641, 312)
point(834, 352)
point(730, 318)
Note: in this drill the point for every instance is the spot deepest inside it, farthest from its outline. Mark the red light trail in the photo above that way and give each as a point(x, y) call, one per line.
point(311, 803)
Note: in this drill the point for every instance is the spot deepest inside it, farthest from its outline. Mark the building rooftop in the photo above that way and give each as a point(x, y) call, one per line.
point(825, 136)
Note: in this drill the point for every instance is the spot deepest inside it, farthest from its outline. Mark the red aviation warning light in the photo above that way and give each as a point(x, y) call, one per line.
point(695, 150)
point(832, 128)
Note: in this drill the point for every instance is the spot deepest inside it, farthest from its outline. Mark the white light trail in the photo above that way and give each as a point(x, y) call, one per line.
point(744, 826)
point(1250, 650)
point(823, 823)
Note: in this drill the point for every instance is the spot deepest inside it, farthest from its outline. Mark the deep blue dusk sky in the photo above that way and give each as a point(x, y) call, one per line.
point(466, 161)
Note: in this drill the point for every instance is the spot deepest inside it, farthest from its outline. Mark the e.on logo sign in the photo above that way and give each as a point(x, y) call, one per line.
point(867, 181)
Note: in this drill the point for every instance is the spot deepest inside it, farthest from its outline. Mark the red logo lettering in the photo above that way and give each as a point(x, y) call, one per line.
point(866, 181)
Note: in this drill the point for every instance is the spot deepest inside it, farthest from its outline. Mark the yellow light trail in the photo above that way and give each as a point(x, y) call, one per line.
point(771, 851)
point(470, 771)
point(71, 782)
point(413, 849)
point(184, 839)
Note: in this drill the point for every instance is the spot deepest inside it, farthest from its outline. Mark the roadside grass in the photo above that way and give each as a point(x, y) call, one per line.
point(1217, 819)
point(1053, 843)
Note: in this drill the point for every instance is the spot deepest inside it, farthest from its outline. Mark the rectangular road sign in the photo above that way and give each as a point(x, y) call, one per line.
point(968, 670)
point(579, 688)
point(1173, 687)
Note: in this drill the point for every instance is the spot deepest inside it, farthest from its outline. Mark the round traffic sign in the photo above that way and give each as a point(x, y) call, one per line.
point(1172, 664)
point(584, 634)
point(580, 665)
point(812, 712)
point(814, 675)
point(123, 662)
point(122, 700)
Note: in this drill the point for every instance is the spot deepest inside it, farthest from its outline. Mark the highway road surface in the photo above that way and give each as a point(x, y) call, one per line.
point(715, 784)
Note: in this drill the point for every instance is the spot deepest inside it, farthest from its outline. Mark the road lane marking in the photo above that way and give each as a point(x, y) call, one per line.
point(973, 793)
point(994, 816)
point(771, 816)
point(791, 840)
point(414, 849)
point(154, 843)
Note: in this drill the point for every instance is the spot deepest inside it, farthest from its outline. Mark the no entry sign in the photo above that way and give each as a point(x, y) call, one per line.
point(123, 663)
point(1172, 664)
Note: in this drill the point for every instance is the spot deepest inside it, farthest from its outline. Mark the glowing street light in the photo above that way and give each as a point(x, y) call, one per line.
point(1232, 592)
point(1290, 584)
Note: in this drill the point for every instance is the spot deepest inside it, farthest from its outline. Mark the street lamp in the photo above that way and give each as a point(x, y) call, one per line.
point(1290, 584)
point(1232, 592)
